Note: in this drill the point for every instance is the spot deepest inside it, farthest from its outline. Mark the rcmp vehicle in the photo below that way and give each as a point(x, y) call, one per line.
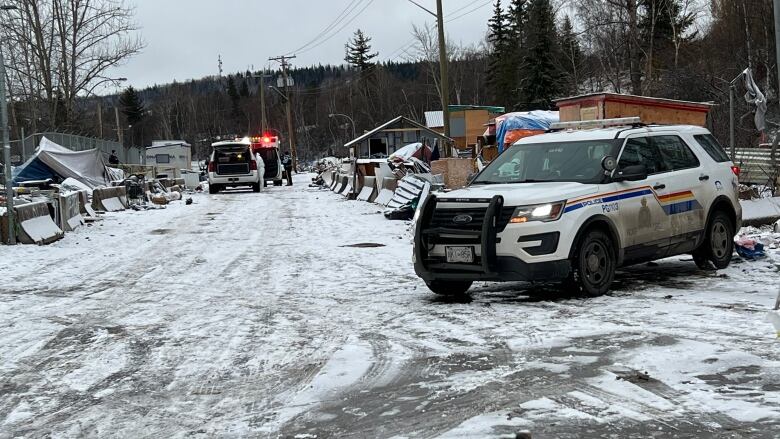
point(575, 204)
point(233, 164)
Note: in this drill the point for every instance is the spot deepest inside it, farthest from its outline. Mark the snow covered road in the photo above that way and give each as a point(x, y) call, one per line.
point(251, 315)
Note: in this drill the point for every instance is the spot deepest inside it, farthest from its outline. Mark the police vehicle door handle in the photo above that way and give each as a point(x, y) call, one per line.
point(659, 186)
point(704, 177)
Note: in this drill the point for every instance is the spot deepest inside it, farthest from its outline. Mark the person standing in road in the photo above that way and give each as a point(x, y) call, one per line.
point(113, 159)
point(288, 165)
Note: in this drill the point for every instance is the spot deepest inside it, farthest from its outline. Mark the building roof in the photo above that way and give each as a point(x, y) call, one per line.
point(434, 119)
point(634, 99)
point(489, 108)
point(404, 119)
point(164, 143)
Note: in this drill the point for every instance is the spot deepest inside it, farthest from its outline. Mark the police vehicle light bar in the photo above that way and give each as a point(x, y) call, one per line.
point(600, 123)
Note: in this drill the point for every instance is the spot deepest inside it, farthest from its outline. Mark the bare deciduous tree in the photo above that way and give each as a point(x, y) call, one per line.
point(58, 50)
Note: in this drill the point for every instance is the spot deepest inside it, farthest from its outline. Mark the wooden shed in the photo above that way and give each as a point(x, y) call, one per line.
point(651, 110)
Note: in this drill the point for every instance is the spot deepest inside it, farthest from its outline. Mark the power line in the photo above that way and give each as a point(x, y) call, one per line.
point(339, 18)
point(336, 32)
point(478, 7)
point(395, 54)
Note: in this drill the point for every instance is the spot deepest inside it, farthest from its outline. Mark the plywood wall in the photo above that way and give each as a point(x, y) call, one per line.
point(655, 115)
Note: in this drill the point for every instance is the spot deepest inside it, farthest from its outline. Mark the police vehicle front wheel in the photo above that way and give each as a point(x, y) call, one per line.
point(449, 287)
point(594, 264)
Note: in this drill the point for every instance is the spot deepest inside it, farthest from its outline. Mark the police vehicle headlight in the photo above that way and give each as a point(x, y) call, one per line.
point(537, 212)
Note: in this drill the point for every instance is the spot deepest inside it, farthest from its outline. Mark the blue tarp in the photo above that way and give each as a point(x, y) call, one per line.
point(526, 120)
point(35, 169)
point(54, 161)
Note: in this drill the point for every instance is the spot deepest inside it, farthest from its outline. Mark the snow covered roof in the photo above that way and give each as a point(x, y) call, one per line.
point(404, 119)
point(164, 143)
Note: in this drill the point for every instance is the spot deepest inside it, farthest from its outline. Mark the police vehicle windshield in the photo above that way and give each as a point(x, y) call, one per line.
point(555, 161)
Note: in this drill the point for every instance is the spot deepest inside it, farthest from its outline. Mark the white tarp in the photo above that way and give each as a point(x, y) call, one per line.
point(87, 166)
point(406, 152)
point(756, 97)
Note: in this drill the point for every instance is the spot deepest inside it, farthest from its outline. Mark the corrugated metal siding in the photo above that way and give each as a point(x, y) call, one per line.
point(434, 119)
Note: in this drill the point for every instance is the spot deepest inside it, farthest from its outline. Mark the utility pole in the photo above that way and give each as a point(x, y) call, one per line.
point(9, 185)
point(263, 118)
point(443, 61)
point(776, 5)
point(100, 119)
point(288, 104)
point(263, 122)
point(119, 135)
point(24, 148)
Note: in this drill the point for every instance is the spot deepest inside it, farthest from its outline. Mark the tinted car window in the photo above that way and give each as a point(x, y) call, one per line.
point(675, 153)
point(639, 151)
point(232, 154)
point(712, 147)
point(578, 161)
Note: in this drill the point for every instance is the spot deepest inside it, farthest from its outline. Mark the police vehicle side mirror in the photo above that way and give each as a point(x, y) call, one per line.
point(608, 163)
point(471, 177)
point(630, 173)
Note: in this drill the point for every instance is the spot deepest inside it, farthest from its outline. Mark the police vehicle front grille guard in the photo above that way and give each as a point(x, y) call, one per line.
point(486, 236)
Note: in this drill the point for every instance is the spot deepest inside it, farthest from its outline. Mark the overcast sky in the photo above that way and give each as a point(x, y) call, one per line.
point(185, 37)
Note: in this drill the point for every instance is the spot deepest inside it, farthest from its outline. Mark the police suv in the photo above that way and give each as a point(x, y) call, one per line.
point(233, 164)
point(574, 204)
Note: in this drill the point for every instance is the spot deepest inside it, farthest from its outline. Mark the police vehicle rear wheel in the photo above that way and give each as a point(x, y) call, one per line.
point(277, 182)
point(449, 287)
point(213, 189)
point(718, 243)
point(594, 264)
point(256, 187)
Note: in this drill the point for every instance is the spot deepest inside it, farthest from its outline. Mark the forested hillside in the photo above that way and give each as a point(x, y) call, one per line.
point(534, 51)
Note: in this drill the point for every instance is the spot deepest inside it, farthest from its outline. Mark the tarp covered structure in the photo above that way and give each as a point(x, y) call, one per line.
point(52, 161)
point(512, 127)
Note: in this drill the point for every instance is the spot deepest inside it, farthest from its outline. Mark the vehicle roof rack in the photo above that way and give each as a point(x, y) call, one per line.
point(636, 122)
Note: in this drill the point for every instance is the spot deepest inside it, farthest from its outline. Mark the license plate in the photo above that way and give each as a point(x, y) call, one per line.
point(460, 254)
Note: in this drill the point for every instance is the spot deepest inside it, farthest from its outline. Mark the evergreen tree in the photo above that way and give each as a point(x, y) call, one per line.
point(571, 57)
point(660, 24)
point(244, 91)
point(517, 21)
point(232, 93)
point(501, 67)
point(358, 52)
point(131, 105)
point(541, 81)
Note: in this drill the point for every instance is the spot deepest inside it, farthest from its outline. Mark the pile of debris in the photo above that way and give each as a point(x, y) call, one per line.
point(398, 183)
point(59, 190)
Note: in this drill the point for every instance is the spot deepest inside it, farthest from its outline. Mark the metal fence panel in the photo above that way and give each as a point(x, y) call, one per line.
point(21, 150)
